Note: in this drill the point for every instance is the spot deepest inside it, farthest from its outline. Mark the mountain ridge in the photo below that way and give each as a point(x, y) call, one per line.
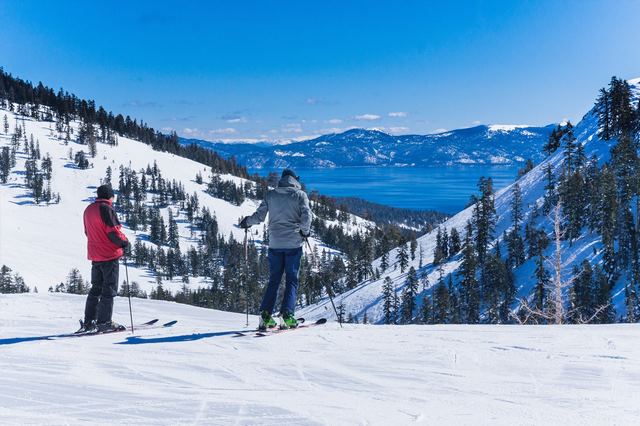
point(482, 144)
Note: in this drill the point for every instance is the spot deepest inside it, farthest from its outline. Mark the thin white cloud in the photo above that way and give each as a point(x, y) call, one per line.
point(237, 120)
point(439, 130)
point(476, 122)
point(239, 140)
point(191, 131)
point(168, 129)
point(367, 117)
point(398, 129)
point(311, 101)
point(292, 128)
point(398, 114)
point(225, 131)
point(334, 121)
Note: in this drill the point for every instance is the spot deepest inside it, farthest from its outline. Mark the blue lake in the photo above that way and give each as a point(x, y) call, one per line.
point(446, 189)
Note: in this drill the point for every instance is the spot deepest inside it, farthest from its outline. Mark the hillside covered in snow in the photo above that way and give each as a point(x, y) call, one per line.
point(199, 372)
point(180, 214)
point(439, 286)
point(494, 144)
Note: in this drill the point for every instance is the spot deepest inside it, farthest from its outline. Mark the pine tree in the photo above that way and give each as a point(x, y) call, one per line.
point(438, 255)
point(550, 194)
point(608, 214)
point(413, 245)
point(403, 258)
point(445, 243)
point(515, 244)
point(454, 242)
point(441, 302)
point(631, 302)
point(6, 281)
point(543, 281)
point(173, 237)
point(484, 217)
point(427, 317)
point(603, 110)
point(602, 294)
point(75, 282)
point(387, 300)
point(581, 297)
point(5, 164)
point(409, 295)
point(6, 125)
point(468, 283)
point(384, 261)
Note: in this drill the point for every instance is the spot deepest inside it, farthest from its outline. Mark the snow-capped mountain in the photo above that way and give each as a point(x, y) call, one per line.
point(366, 297)
point(494, 144)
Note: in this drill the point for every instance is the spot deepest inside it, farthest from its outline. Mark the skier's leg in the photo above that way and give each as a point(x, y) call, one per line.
point(91, 306)
point(276, 268)
point(109, 290)
point(291, 266)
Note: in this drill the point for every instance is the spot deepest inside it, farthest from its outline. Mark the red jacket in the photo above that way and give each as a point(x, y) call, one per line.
point(105, 241)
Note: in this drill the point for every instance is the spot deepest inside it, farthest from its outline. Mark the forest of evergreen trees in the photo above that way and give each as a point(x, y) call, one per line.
point(603, 199)
point(11, 282)
point(143, 193)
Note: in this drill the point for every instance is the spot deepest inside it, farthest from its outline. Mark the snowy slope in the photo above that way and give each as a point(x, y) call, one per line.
point(366, 298)
point(197, 373)
point(494, 144)
point(43, 243)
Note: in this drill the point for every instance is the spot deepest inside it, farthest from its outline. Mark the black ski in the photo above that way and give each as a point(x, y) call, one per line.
point(145, 326)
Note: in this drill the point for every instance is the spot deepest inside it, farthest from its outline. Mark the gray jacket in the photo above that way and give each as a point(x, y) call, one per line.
point(289, 213)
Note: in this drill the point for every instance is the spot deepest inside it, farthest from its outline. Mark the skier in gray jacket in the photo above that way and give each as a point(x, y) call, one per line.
point(289, 225)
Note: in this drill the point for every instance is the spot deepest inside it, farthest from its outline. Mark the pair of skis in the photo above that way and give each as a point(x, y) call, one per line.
point(153, 324)
point(276, 330)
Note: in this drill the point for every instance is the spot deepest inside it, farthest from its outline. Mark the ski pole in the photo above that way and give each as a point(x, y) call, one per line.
point(126, 271)
point(306, 240)
point(246, 270)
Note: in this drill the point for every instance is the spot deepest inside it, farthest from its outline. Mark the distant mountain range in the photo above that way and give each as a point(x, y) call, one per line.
point(494, 144)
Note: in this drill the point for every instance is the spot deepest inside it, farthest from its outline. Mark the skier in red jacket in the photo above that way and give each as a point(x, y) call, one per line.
point(105, 246)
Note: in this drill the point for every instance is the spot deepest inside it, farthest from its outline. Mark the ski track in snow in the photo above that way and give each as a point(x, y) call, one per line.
point(198, 373)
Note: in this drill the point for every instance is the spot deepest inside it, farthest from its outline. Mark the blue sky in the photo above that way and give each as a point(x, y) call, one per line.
point(272, 70)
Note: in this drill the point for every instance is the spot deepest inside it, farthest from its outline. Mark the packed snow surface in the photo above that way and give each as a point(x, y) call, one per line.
point(198, 373)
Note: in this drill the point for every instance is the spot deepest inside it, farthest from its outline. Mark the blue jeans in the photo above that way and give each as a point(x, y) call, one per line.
point(287, 261)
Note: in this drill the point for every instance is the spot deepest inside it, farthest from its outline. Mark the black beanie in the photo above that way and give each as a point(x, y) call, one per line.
point(105, 192)
point(289, 172)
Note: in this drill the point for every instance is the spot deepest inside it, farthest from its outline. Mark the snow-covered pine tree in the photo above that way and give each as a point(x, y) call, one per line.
point(403, 258)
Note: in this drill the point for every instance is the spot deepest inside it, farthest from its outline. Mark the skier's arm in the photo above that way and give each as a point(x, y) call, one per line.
point(259, 215)
point(113, 226)
point(305, 214)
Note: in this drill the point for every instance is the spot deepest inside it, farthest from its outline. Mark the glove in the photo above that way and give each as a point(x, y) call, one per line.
point(243, 223)
point(304, 235)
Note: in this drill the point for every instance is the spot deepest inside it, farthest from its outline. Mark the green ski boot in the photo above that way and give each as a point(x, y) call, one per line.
point(266, 321)
point(288, 321)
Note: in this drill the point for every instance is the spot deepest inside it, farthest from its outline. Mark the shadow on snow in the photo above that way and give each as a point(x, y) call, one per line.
point(135, 340)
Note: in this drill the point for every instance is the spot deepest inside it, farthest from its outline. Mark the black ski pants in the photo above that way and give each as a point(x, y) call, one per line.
point(104, 287)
